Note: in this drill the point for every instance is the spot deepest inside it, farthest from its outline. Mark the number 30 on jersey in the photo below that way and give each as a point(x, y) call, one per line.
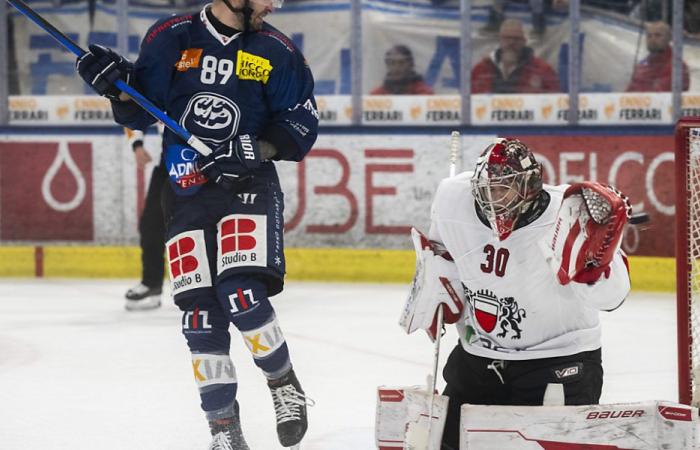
point(496, 260)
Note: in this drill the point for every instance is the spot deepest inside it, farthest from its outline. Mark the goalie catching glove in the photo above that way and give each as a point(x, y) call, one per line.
point(587, 232)
point(435, 284)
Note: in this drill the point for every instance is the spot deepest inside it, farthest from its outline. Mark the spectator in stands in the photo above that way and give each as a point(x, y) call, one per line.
point(513, 66)
point(401, 77)
point(691, 18)
point(653, 74)
point(497, 15)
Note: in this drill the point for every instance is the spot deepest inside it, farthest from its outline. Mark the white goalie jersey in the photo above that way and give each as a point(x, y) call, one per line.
point(515, 308)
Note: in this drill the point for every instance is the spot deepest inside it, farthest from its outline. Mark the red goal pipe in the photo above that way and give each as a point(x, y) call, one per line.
point(682, 280)
point(683, 267)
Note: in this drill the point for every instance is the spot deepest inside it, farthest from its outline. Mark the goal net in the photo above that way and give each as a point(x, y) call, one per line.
point(687, 159)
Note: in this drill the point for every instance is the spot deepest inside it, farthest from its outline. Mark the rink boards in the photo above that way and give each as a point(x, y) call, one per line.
point(70, 198)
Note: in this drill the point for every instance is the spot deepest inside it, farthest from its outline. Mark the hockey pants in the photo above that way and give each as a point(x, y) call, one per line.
point(483, 381)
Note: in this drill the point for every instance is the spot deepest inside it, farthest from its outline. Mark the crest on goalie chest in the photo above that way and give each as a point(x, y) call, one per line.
point(491, 312)
point(485, 309)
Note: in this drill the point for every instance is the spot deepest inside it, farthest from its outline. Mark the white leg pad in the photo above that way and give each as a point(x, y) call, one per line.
point(403, 422)
point(647, 425)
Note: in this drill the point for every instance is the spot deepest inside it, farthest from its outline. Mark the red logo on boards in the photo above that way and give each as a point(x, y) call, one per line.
point(46, 191)
point(236, 235)
point(180, 260)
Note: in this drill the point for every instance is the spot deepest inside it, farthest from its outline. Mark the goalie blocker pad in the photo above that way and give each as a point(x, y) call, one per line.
point(402, 418)
point(586, 233)
point(436, 282)
point(650, 425)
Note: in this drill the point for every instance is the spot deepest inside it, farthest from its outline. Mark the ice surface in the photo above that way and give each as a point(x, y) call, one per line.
point(79, 372)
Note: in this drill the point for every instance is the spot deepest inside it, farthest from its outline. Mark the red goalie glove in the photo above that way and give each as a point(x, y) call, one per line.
point(586, 232)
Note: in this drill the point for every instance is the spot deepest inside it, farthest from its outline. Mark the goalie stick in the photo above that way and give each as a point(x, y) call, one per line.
point(455, 146)
point(142, 101)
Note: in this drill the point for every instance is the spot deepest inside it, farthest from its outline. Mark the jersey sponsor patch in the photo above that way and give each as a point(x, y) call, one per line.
point(264, 340)
point(196, 322)
point(242, 301)
point(211, 117)
point(213, 369)
point(252, 67)
point(181, 163)
point(187, 262)
point(242, 241)
point(170, 24)
point(189, 59)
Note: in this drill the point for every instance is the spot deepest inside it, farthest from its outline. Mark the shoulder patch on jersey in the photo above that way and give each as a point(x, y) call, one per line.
point(170, 24)
point(189, 59)
point(252, 67)
point(279, 37)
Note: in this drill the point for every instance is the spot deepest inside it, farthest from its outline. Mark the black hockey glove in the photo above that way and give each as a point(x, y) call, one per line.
point(232, 162)
point(101, 67)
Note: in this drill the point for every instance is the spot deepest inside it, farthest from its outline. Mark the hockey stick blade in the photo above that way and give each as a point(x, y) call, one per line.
point(142, 101)
point(639, 218)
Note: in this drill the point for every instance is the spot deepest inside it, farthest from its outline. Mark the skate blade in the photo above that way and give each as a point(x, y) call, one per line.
point(145, 304)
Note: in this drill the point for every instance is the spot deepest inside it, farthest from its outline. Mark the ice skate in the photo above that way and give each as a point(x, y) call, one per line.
point(142, 297)
point(290, 408)
point(227, 434)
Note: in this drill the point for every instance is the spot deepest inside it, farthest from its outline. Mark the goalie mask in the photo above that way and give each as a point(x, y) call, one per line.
point(506, 180)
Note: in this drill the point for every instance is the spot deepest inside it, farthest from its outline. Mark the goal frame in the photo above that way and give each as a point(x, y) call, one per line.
point(684, 286)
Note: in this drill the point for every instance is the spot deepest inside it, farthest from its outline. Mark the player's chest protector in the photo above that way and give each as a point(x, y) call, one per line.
point(498, 275)
point(217, 88)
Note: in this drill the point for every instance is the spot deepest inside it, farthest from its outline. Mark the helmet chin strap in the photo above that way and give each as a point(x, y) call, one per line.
point(246, 10)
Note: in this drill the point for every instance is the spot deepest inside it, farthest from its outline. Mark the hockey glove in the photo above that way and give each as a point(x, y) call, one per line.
point(232, 162)
point(587, 232)
point(436, 284)
point(101, 67)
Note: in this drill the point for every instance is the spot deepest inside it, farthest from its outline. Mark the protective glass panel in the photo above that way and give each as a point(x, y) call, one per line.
point(410, 48)
point(322, 33)
point(38, 64)
point(516, 48)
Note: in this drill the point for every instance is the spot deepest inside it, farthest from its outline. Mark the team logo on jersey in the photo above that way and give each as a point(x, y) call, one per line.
point(510, 317)
point(242, 241)
point(196, 321)
point(242, 301)
point(252, 67)
point(189, 59)
point(490, 311)
point(187, 262)
point(211, 117)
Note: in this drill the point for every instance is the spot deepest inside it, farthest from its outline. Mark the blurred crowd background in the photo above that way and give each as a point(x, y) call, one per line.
point(410, 47)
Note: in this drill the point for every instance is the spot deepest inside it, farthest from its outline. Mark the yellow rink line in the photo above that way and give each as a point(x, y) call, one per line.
point(322, 264)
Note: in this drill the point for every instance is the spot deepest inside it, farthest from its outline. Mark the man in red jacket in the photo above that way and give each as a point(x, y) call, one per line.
point(401, 77)
point(653, 74)
point(513, 66)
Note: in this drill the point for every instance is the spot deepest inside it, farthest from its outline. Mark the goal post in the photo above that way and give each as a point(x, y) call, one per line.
point(687, 161)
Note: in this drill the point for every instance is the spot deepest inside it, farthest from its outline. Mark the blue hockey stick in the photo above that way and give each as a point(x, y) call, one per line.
point(142, 101)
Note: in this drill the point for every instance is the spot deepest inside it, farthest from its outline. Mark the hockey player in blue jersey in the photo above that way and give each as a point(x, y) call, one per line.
point(243, 88)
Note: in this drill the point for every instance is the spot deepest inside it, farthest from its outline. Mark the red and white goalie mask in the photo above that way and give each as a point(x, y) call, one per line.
point(507, 178)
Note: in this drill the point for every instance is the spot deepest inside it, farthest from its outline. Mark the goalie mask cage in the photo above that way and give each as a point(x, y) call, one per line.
point(687, 170)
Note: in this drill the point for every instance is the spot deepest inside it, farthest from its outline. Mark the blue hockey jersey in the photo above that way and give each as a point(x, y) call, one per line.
point(218, 87)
